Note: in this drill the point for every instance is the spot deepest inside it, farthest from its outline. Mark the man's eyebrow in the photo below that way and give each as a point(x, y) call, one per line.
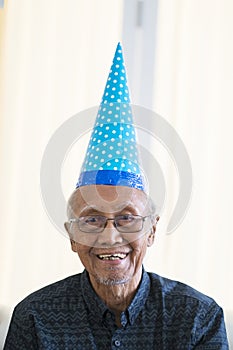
point(89, 208)
point(128, 205)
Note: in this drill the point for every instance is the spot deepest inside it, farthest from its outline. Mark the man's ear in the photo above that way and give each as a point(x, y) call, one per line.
point(73, 245)
point(72, 242)
point(151, 237)
point(66, 225)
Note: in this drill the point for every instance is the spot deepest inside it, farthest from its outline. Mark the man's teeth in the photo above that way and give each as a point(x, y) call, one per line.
point(112, 256)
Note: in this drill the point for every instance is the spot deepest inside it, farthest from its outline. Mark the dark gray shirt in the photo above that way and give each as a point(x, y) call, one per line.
point(164, 314)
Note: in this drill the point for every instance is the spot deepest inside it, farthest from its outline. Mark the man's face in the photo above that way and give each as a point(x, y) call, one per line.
point(111, 257)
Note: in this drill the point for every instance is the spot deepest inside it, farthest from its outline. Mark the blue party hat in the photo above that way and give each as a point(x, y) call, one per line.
point(112, 155)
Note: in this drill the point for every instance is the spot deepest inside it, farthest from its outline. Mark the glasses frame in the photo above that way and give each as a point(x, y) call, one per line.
point(77, 220)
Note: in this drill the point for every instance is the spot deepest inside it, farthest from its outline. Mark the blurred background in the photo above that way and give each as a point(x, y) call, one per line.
point(54, 61)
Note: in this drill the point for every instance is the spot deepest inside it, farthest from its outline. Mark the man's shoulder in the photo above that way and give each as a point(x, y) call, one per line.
point(66, 289)
point(62, 287)
point(186, 316)
point(178, 291)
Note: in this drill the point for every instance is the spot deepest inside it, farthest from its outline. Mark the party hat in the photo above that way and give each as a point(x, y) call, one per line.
point(112, 156)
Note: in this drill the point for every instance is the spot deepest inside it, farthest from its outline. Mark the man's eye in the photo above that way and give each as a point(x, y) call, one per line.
point(93, 221)
point(125, 219)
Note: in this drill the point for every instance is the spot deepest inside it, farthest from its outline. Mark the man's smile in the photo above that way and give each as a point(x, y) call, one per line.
point(114, 256)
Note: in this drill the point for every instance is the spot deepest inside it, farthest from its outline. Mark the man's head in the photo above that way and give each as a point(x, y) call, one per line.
point(112, 250)
point(111, 219)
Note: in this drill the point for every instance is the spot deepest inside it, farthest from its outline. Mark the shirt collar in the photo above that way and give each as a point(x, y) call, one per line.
point(97, 306)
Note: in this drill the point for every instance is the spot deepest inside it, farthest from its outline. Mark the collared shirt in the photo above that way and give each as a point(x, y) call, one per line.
point(164, 314)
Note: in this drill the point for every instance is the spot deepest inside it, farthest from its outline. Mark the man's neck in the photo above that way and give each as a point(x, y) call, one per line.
point(117, 296)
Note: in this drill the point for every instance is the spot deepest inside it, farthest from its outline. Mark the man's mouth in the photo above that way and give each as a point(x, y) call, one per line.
point(115, 256)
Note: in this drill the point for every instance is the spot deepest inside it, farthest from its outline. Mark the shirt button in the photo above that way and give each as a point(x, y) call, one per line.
point(109, 316)
point(117, 343)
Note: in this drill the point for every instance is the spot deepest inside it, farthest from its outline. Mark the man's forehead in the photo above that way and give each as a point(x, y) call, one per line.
point(108, 198)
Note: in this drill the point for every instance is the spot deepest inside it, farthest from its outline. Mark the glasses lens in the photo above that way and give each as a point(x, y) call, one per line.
point(128, 223)
point(91, 223)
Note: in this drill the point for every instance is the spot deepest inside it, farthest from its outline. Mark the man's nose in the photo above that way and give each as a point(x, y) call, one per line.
point(110, 236)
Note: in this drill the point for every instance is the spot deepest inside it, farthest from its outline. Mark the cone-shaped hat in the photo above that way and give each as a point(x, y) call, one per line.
point(112, 155)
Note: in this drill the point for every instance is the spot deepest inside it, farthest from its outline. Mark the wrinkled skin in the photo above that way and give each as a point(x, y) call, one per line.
point(115, 281)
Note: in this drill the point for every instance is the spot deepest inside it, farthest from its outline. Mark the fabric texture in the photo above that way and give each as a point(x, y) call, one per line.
point(164, 314)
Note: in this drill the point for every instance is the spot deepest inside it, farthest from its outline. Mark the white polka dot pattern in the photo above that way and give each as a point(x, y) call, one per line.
point(113, 140)
point(113, 146)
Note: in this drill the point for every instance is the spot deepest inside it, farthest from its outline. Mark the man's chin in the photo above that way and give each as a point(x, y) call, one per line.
point(112, 280)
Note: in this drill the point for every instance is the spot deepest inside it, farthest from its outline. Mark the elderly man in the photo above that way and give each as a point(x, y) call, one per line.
point(115, 303)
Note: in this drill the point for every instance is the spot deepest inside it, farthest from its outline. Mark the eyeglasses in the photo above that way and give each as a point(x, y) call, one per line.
point(97, 223)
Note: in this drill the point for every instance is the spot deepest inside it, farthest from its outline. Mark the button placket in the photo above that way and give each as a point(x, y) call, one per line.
point(123, 319)
point(117, 339)
point(117, 343)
